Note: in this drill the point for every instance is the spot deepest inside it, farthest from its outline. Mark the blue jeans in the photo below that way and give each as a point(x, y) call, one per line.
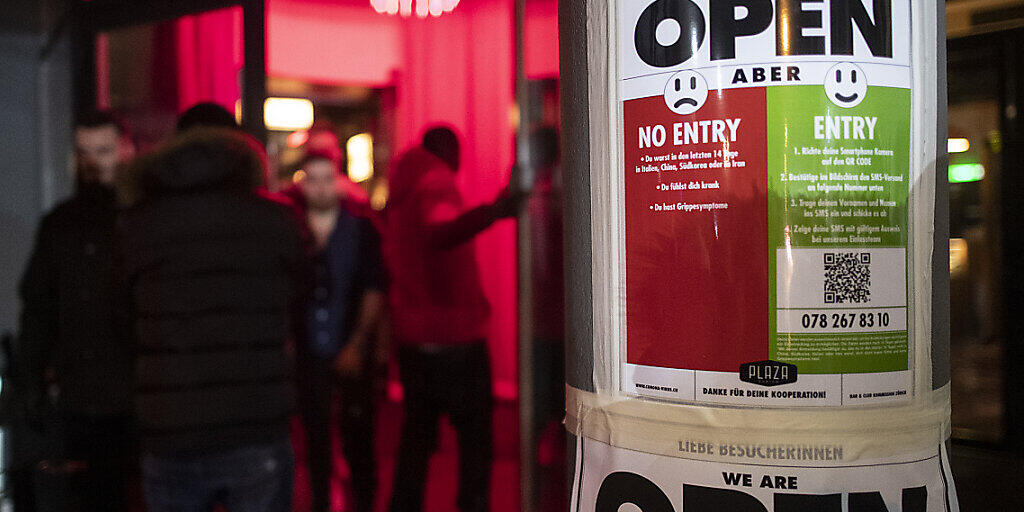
point(251, 479)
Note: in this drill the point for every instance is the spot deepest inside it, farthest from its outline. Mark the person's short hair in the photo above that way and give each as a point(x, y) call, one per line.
point(101, 118)
point(442, 142)
point(209, 115)
point(206, 157)
point(313, 155)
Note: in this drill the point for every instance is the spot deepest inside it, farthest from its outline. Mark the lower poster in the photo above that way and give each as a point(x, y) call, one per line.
point(788, 478)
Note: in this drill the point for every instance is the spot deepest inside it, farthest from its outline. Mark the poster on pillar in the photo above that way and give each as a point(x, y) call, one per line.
point(806, 477)
point(766, 181)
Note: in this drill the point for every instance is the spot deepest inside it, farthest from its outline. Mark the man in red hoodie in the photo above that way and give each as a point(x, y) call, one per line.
point(440, 317)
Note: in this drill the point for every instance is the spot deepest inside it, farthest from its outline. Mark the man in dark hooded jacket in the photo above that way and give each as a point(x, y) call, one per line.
point(211, 270)
point(70, 367)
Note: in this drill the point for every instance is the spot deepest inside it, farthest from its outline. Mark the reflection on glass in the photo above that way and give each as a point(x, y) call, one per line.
point(977, 340)
point(150, 73)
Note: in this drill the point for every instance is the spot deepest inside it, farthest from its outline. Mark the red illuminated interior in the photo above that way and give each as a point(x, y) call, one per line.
point(457, 69)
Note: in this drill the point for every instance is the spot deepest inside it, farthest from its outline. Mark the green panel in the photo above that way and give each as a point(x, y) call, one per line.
point(811, 173)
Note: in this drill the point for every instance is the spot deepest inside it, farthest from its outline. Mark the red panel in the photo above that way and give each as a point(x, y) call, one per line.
point(540, 39)
point(696, 282)
point(209, 55)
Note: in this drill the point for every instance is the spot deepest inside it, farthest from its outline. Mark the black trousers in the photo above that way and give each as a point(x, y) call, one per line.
point(455, 381)
point(356, 412)
point(88, 471)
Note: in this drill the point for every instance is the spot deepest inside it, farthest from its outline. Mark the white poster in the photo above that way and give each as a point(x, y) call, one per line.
point(766, 184)
point(777, 478)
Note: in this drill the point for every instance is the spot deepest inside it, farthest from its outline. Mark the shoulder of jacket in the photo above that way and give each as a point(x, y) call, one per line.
point(62, 215)
point(64, 208)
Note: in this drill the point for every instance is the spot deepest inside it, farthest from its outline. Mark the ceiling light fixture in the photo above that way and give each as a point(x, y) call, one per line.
point(422, 8)
point(958, 145)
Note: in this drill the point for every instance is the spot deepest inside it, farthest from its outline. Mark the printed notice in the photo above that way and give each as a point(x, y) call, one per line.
point(766, 175)
point(761, 477)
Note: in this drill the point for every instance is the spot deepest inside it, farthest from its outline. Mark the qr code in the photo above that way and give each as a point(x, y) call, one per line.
point(847, 277)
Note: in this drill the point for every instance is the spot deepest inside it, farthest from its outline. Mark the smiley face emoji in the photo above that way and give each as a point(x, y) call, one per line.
point(686, 92)
point(846, 84)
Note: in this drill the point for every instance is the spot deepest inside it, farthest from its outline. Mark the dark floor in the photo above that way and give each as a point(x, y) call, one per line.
point(987, 480)
point(977, 390)
point(442, 479)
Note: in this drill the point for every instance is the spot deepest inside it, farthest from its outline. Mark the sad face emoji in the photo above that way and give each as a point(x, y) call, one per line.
point(686, 92)
point(846, 84)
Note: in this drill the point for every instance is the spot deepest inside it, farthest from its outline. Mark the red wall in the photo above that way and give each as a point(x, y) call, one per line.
point(540, 39)
point(336, 41)
point(458, 69)
point(209, 56)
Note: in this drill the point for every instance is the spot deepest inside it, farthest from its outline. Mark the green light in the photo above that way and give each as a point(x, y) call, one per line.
point(965, 173)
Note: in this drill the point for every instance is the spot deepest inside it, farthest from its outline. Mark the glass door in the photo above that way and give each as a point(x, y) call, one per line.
point(151, 60)
point(150, 73)
point(975, 171)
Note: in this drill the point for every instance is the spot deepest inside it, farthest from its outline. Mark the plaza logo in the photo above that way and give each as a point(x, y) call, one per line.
point(768, 373)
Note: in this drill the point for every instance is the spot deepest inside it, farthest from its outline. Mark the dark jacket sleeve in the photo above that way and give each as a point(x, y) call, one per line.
point(298, 245)
point(121, 288)
point(296, 240)
point(371, 273)
point(39, 314)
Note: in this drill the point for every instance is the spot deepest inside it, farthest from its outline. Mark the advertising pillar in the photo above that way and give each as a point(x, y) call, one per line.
point(758, 320)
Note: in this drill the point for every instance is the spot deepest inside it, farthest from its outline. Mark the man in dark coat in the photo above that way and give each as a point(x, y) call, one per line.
point(68, 360)
point(211, 268)
point(339, 330)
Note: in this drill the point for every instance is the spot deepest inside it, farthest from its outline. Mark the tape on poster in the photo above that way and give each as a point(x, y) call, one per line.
point(738, 435)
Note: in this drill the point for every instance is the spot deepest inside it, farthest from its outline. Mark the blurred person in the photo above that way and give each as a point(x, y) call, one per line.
point(210, 271)
point(323, 138)
point(440, 318)
point(545, 213)
point(337, 352)
point(70, 366)
point(209, 115)
point(548, 306)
